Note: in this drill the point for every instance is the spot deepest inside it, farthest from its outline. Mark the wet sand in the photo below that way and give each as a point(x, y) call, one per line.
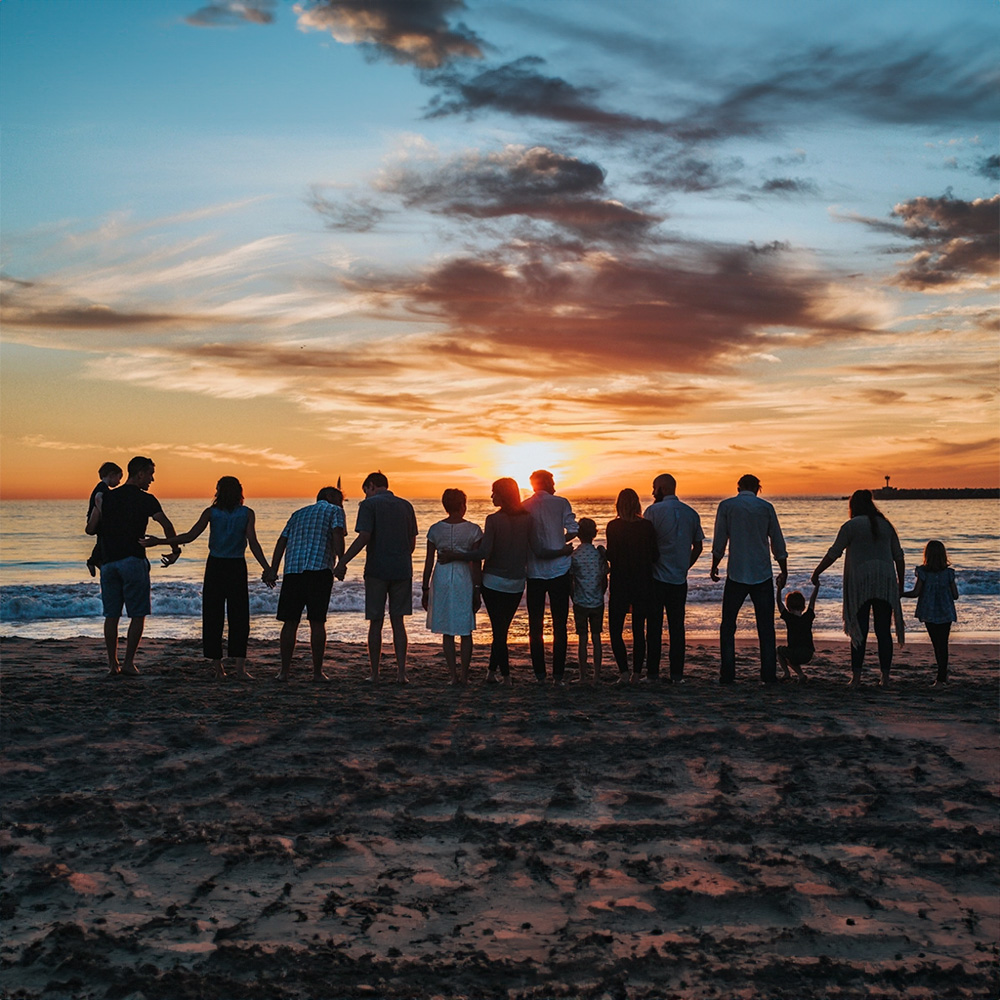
point(167, 836)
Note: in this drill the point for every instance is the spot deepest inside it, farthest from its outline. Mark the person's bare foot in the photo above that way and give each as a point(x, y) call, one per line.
point(401, 678)
point(218, 670)
point(281, 675)
point(884, 681)
point(320, 678)
point(506, 681)
point(114, 669)
point(129, 670)
point(244, 675)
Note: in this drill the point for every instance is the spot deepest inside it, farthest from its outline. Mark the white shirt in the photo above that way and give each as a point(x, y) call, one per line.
point(678, 527)
point(551, 518)
point(747, 523)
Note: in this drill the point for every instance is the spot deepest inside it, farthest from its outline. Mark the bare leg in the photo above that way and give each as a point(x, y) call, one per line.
point(135, 627)
point(581, 654)
point(783, 660)
point(111, 643)
point(317, 643)
point(448, 644)
point(598, 657)
point(289, 630)
point(466, 654)
point(240, 663)
point(218, 670)
point(375, 647)
point(398, 623)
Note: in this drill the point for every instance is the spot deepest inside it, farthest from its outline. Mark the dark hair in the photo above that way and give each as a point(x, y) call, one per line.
point(375, 480)
point(795, 600)
point(139, 464)
point(454, 500)
point(331, 495)
point(862, 504)
point(228, 493)
point(586, 529)
point(935, 556)
point(508, 495)
point(542, 479)
point(108, 468)
point(627, 505)
point(748, 482)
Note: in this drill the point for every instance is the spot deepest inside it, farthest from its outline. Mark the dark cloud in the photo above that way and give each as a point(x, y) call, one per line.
point(911, 87)
point(286, 359)
point(690, 173)
point(990, 167)
point(93, 317)
point(519, 88)
point(958, 240)
point(639, 313)
point(882, 397)
point(788, 186)
point(230, 13)
point(354, 215)
point(535, 183)
point(415, 32)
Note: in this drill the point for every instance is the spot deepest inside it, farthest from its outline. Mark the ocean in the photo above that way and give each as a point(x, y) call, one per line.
point(46, 591)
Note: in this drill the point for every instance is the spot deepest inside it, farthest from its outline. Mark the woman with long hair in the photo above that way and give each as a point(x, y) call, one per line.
point(504, 551)
point(873, 581)
point(226, 594)
point(631, 554)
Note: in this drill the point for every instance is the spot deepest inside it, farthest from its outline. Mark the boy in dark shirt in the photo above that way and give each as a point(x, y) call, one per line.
point(798, 621)
point(110, 475)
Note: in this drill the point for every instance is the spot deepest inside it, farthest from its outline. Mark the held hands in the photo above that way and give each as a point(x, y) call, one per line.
point(170, 558)
point(782, 579)
point(340, 571)
point(150, 541)
point(269, 577)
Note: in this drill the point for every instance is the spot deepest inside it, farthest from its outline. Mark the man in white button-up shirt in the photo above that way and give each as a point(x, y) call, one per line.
point(552, 526)
point(750, 526)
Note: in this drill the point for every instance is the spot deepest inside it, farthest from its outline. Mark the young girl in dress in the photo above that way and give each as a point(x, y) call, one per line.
point(936, 591)
point(226, 595)
point(451, 596)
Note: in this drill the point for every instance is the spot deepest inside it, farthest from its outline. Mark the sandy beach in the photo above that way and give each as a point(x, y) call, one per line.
point(168, 836)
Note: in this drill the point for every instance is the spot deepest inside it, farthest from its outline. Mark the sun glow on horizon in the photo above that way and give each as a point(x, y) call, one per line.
point(518, 459)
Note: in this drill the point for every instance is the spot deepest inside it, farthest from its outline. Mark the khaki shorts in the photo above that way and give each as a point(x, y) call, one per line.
point(399, 592)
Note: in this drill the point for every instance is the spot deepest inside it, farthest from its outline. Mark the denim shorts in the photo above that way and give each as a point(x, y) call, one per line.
point(126, 582)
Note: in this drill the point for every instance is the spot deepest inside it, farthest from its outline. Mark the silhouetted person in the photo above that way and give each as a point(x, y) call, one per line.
point(936, 592)
point(311, 543)
point(387, 528)
point(632, 551)
point(798, 621)
point(874, 569)
point(225, 595)
point(679, 541)
point(552, 526)
point(120, 517)
point(750, 527)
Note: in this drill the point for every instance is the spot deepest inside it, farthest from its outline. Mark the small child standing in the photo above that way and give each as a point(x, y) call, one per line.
point(798, 621)
point(590, 580)
point(936, 592)
point(110, 475)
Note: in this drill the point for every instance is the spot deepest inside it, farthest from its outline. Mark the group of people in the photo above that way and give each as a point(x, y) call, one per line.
point(525, 549)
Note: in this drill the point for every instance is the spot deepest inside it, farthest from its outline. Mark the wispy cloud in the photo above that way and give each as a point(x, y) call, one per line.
point(230, 13)
point(418, 32)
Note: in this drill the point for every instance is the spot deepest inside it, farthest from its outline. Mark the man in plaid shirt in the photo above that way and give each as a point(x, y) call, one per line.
point(312, 542)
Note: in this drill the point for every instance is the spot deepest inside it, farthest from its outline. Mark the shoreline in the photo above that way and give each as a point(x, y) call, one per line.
point(171, 836)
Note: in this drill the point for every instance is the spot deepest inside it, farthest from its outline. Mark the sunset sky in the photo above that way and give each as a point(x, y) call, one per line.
point(291, 241)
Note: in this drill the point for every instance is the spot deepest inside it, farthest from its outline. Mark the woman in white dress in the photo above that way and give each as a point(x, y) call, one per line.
point(451, 594)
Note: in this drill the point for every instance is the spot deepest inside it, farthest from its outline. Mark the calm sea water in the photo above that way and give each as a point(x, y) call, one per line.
point(46, 592)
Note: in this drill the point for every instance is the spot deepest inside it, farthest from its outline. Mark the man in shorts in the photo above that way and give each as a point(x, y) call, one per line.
point(120, 517)
point(387, 527)
point(311, 543)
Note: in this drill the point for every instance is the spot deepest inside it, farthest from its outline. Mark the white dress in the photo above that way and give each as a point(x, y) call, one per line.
point(449, 603)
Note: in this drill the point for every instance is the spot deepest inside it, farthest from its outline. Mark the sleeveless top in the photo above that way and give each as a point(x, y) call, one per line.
point(227, 532)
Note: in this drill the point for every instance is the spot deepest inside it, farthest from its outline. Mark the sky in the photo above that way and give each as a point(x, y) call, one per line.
point(296, 241)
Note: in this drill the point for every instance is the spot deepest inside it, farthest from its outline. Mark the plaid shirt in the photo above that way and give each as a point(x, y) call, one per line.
point(310, 537)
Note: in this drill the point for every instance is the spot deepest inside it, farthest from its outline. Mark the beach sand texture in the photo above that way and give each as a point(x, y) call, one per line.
point(171, 837)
